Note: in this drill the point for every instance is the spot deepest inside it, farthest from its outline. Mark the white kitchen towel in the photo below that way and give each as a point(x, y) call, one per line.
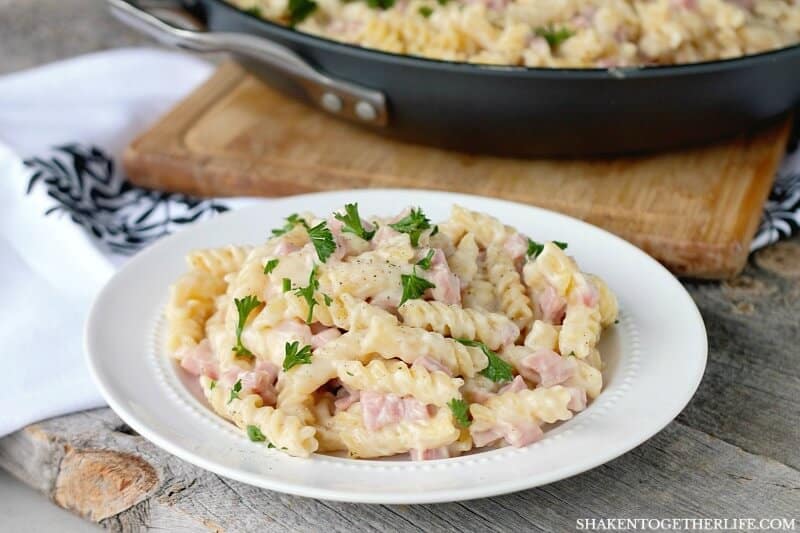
point(68, 218)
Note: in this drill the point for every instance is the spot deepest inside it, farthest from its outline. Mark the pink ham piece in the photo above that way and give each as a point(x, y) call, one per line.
point(547, 368)
point(515, 386)
point(517, 435)
point(199, 360)
point(484, 438)
point(294, 330)
point(379, 410)
point(431, 365)
point(590, 296)
point(428, 455)
point(345, 398)
point(577, 400)
point(384, 233)
point(284, 248)
point(324, 337)
point(448, 285)
point(685, 4)
point(552, 305)
point(516, 246)
point(260, 380)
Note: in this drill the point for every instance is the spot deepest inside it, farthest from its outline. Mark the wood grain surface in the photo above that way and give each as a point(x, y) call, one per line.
point(695, 210)
point(733, 452)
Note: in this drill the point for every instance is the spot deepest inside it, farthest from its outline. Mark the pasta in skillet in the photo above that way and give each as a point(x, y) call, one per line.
point(378, 337)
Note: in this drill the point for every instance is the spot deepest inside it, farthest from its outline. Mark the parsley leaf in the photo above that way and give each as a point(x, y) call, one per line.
point(352, 222)
point(414, 286)
point(534, 249)
point(497, 370)
point(554, 36)
point(322, 239)
point(255, 11)
point(299, 10)
point(381, 4)
point(244, 306)
point(270, 266)
point(327, 299)
point(425, 11)
point(425, 262)
point(296, 357)
point(442, 2)
point(287, 284)
point(255, 435)
point(212, 385)
point(291, 221)
point(307, 293)
point(414, 224)
point(237, 388)
point(460, 410)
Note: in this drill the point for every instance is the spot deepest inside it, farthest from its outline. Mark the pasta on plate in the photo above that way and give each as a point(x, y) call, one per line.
point(547, 33)
point(386, 336)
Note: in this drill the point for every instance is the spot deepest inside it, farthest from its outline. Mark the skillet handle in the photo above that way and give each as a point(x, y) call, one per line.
point(338, 97)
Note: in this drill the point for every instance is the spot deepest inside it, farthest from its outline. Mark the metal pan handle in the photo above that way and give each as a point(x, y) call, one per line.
point(342, 98)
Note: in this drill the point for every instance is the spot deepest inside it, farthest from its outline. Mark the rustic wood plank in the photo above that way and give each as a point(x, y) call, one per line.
point(671, 475)
point(750, 394)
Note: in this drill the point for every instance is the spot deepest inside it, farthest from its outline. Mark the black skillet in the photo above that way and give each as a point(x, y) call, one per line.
point(498, 110)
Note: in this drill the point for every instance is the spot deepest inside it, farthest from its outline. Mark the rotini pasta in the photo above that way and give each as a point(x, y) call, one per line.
point(377, 337)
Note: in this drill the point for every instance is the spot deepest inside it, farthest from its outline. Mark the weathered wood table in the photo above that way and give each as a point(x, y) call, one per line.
point(733, 452)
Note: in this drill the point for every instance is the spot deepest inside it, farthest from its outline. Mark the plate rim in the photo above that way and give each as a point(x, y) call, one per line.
point(422, 497)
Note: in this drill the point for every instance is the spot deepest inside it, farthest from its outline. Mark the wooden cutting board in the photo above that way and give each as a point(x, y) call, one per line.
point(695, 210)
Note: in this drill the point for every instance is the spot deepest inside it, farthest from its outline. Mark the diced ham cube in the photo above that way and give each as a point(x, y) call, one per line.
point(516, 246)
point(522, 434)
point(547, 368)
point(268, 368)
point(384, 234)
point(552, 305)
point(379, 410)
point(293, 330)
point(324, 337)
point(484, 438)
point(577, 401)
point(448, 285)
point(430, 454)
point(345, 398)
point(431, 365)
point(284, 248)
point(199, 360)
point(515, 386)
point(260, 383)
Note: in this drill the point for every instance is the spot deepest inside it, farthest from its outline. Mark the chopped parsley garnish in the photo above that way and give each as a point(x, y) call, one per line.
point(291, 221)
point(327, 299)
point(414, 286)
point(322, 239)
point(435, 230)
point(286, 284)
point(460, 410)
point(270, 266)
point(380, 4)
point(255, 435)
point(299, 10)
point(442, 2)
point(296, 355)
point(535, 248)
point(414, 224)
point(554, 36)
point(212, 385)
point(255, 11)
point(352, 222)
point(237, 388)
point(497, 369)
point(425, 262)
point(425, 11)
point(307, 293)
point(244, 306)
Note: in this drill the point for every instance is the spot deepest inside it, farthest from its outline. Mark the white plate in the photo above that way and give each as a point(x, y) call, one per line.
point(655, 358)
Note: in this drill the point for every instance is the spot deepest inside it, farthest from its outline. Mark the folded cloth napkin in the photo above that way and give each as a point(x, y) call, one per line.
point(68, 218)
